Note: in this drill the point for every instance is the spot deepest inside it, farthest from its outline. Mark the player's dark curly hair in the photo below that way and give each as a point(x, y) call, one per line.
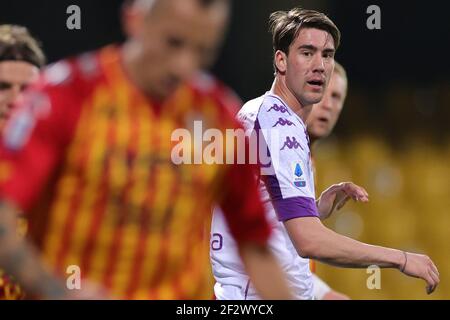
point(286, 25)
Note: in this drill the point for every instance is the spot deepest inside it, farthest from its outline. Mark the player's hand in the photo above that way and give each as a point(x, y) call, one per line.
point(421, 266)
point(336, 196)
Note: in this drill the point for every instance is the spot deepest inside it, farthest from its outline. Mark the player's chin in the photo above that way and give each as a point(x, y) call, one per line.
point(167, 88)
point(313, 97)
point(317, 132)
point(159, 91)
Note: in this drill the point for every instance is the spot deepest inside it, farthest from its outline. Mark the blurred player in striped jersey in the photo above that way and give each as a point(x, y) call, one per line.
point(20, 61)
point(320, 124)
point(88, 158)
point(304, 43)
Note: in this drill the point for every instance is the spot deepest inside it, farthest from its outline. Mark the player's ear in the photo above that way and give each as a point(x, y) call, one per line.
point(132, 19)
point(280, 61)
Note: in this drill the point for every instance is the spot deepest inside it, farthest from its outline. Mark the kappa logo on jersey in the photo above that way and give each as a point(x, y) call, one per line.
point(299, 180)
point(291, 143)
point(278, 108)
point(284, 122)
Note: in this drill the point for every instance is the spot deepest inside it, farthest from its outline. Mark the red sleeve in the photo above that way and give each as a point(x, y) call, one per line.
point(32, 143)
point(237, 190)
point(242, 206)
point(241, 202)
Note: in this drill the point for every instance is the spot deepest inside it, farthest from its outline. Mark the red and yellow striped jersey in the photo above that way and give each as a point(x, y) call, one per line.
point(88, 159)
point(9, 289)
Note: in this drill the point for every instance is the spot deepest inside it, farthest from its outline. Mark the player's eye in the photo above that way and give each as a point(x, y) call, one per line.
point(5, 86)
point(307, 53)
point(175, 42)
point(336, 96)
point(207, 56)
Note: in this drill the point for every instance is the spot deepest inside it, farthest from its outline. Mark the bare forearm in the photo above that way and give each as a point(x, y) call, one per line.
point(265, 273)
point(342, 251)
point(322, 215)
point(327, 246)
point(313, 240)
point(19, 259)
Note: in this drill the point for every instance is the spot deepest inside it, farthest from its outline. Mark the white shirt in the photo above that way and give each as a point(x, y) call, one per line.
point(287, 190)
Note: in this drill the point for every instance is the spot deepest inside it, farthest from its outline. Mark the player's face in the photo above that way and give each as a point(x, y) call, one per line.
point(15, 76)
point(177, 38)
point(310, 63)
point(325, 114)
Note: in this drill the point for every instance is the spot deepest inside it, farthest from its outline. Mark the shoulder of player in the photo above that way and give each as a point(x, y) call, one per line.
point(72, 75)
point(206, 86)
point(249, 111)
point(56, 96)
point(251, 107)
point(271, 102)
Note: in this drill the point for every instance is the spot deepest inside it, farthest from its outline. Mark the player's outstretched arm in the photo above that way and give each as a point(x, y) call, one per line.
point(264, 272)
point(19, 259)
point(313, 240)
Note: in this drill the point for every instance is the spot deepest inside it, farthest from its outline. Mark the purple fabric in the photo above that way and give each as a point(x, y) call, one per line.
point(246, 289)
point(297, 207)
point(260, 145)
point(289, 208)
point(282, 102)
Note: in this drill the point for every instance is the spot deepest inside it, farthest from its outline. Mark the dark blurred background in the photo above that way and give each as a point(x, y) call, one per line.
point(399, 81)
point(393, 136)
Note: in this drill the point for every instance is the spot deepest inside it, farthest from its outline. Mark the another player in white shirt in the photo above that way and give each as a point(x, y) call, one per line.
point(320, 123)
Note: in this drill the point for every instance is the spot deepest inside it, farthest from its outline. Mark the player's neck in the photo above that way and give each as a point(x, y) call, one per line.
point(280, 88)
point(132, 67)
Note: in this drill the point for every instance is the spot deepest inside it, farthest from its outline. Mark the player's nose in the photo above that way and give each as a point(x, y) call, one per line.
point(325, 104)
point(13, 94)
point(186, 65)
point(318, 63)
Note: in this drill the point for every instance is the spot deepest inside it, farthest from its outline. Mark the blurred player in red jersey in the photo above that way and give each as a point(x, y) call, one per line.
point(20, 61)
point(88, 158)
point(321, 122)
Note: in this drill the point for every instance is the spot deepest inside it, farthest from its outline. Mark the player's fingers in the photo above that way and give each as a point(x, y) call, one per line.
point(332, 191)
point(434, 276)
point(430, 283)
point(356, 192)
point(435, 269)
point(364, 192)
point(335, 187)
point(359, 197)
point(358, 189)
point(343, 202)
point(362, 198)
